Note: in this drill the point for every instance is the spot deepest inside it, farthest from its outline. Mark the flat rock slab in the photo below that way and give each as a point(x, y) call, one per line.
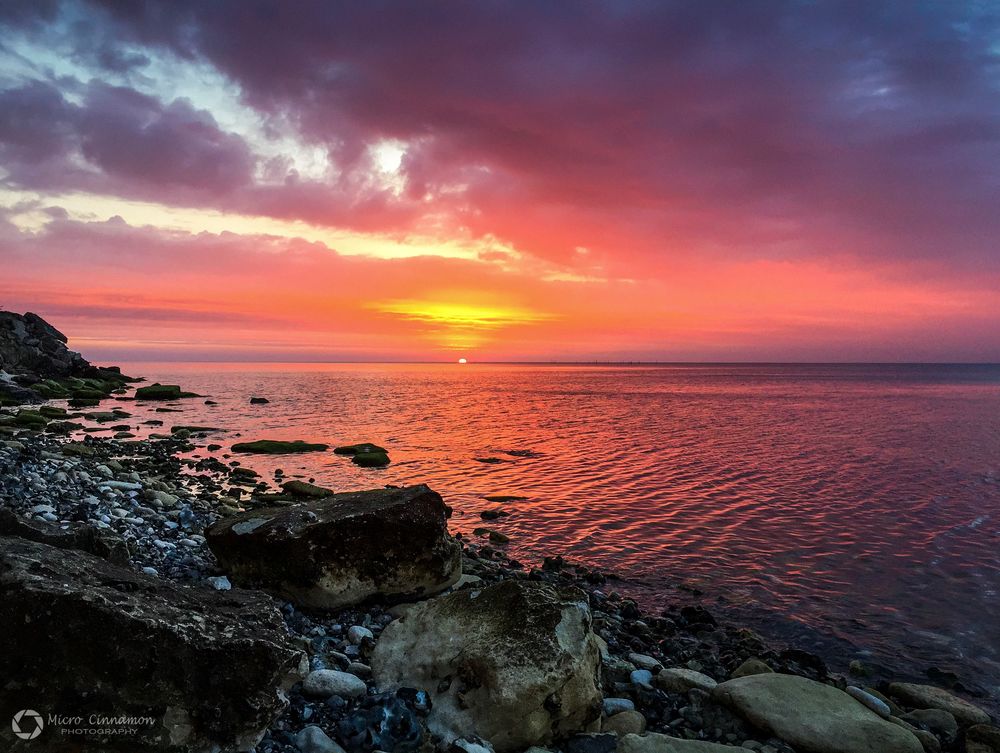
point(83, 536)
point(209, 668)
point(811, 716)
point(345, 549)
point(515, 663)
point(931, 697)
point(657, 743)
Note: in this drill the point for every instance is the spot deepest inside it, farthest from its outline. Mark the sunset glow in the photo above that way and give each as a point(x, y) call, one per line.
point(164, 195)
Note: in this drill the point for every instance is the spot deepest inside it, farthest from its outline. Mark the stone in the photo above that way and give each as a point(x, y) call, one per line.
point(811, 716)
point(982, 738)
point(210, 668)
point(370, 459)
point(641, 677)
point(625, 723)
point(470, 745)
point(515, 663)
point(344, 549)
point(592, 742)
point(612, 706)
point(931, 697)
point(656, 743)
point(938, 721)
point(681, 680)
point(354, 449)
point(357, 634)
point(752, 666)
point(259, 401)
point(323, 683)
point(645, 662)
point(82, 536)
point(162, 392)
point(303, 489)
point(873, 702)
point(313, 739)
point(277, 447)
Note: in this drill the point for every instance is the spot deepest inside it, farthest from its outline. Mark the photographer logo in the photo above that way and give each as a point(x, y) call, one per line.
point(27, 724)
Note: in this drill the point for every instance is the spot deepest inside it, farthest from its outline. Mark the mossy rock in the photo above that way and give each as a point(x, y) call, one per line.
point(79, 449)
point(371, 459)
point(304, 489)
point(162, 392)
point(84, 402)
point(63, 427)
point(277, 447)
point(89, 394)
point(494, 536)
point(194, 429)
point(52, 411)
point(356, 449)
point(30, 418)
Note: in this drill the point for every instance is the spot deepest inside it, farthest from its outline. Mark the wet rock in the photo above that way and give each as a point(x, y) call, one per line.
point(811, 716)
point(370, 459)
point(162, 392)
point(304, 489)
point(344, 549)
point(208, 667)
point(515, 663)
point(930, 697)
point(355, 449)
point(277, 447)
point(388, 721)
point(940, 722)
point(259, 401)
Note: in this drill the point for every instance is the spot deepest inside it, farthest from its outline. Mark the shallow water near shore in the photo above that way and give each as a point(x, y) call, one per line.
point(854, 510)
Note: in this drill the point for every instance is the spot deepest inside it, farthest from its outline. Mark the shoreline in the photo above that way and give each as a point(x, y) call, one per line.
point(163, 502)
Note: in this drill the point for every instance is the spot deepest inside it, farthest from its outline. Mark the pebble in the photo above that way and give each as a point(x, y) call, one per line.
point(220, 583)
point(641, 677)
point(323, 683)
point(867, 699)
point(645, 662)
point(612, 706)
point(313, 739)
point(357, 634)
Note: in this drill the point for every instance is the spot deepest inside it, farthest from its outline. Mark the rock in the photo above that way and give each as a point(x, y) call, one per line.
point(645, 662)
point(364, 447)
point(625, 723)
point(259, 401)
point(162, 392)
point(515, 662)
point(656, 743)
point(752, 666)
point(276, 447)
point(344, 549)
point(470, 745)
point(612, 706)
point(938, 721)
point(357, 635)
point(811, 716)
point(209, 667)
point(370, 459)
point(930, 697)
point(982, 738)
point(81, 536)
point(220, 583)
point(592, 742)
point(681, 680)
point(323, 683)
point(313, 739)
point(386, 722)
point(873, 702)
point(641, 677)
point(304, 489)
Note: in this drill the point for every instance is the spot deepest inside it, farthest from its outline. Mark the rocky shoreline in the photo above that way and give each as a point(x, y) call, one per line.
point(188, 604)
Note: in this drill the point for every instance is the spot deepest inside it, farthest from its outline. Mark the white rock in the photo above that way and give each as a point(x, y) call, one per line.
point(220, 583)
point(356, 634)
point(877, 705)
point(41, 509)
point(323, 683)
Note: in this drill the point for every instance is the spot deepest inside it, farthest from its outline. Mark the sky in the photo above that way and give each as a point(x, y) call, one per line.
point(669, 181)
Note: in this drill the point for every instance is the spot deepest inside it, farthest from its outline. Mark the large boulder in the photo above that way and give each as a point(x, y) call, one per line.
point(931, 697)
point(194, 669)
point(656, 743)
point(345, 549)
point(811, 716)
point(515, 663)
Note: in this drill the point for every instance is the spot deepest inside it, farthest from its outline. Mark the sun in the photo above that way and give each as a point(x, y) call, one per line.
point(462, 360)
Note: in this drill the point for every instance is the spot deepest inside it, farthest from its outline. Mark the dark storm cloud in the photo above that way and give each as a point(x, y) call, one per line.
point(764, 128)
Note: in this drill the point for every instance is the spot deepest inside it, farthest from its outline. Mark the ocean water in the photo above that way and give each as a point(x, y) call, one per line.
point(850, 510)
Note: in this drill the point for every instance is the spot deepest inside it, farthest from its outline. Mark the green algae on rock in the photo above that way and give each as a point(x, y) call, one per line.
point(162, 392)
point(278, 447)
point(304, 489)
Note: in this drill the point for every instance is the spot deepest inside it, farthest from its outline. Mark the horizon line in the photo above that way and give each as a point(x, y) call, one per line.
point(594, 362)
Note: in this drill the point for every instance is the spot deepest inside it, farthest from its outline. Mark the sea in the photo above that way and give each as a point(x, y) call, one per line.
point(848, 510)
